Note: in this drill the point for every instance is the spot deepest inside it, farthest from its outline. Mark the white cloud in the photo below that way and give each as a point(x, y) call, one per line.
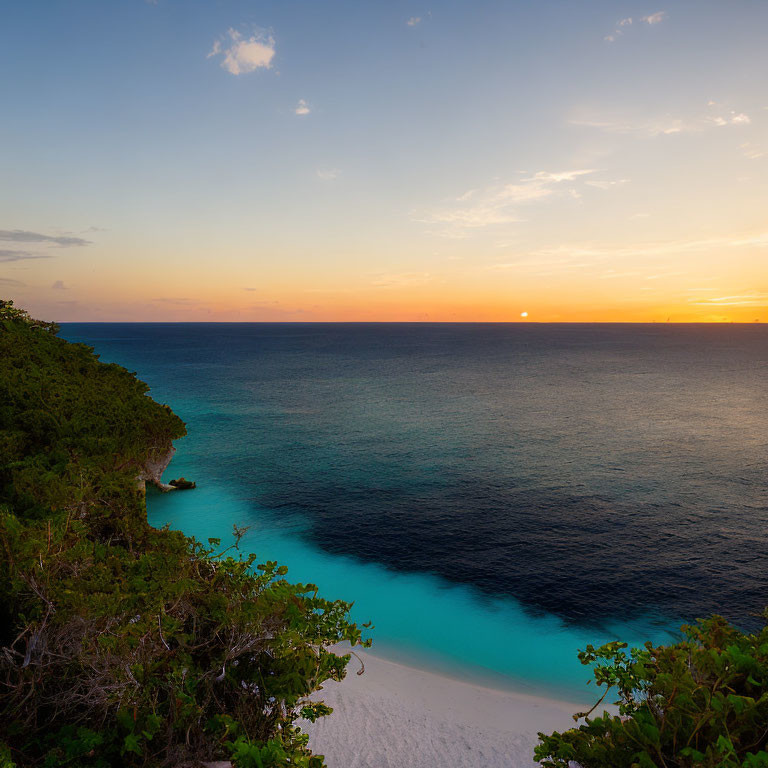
point(623, 24)
point(546, 176)
point(751, 151)
point(655, 18)
point(244, 54)
point(663, 126)
point(655, 127)
point(302, 108)
point(413, 21)
point(499, 203)
point(328, 174)
point(731, 119)
point(606, 184)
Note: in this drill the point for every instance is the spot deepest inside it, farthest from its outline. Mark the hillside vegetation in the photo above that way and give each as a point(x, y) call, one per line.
point(121, 644)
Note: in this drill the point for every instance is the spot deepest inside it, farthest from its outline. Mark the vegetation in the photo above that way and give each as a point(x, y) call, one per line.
point(700, 702)
point(121, 644)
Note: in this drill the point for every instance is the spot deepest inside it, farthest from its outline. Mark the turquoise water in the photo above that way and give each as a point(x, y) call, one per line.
point(419, 619)
point(492, 497)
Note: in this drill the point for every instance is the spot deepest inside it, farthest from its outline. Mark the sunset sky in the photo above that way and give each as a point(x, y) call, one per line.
point(241, 160)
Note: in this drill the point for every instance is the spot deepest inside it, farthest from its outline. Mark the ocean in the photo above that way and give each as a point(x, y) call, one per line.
point(492, 496)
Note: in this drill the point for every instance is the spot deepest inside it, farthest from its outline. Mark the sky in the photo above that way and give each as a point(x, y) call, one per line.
point(525, 160)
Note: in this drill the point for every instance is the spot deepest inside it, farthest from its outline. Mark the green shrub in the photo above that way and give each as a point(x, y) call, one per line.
point(120, 644)
point(700, 702)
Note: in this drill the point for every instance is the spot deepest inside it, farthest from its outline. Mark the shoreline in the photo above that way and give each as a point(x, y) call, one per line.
point(398, 716)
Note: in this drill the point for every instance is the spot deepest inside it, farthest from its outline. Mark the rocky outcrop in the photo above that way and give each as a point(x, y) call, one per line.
point(155, 464)
point(182, 484)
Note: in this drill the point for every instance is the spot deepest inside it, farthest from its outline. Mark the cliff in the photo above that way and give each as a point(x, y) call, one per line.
point(157, 461)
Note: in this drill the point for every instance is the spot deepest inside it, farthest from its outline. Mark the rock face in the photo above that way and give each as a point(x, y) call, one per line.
point(155, 464)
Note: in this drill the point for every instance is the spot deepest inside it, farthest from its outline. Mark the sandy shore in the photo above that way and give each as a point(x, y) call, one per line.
point(395, 716)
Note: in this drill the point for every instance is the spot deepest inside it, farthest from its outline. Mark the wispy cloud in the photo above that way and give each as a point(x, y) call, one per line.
point(641, 127)
point(11, 283)
point(413, 21)
point(720, 115)
point(610, 184)
point(623, 24)
point(666, 125)
point(302, 108)
point(497, 204)
point(59, 286)
point(752, 151)
point(328, 174)
point(740, 300)
point(7, 256)
point(546, 176)
point(655, 18)
point(23, 236)
point(242, 54)
point(579, 255)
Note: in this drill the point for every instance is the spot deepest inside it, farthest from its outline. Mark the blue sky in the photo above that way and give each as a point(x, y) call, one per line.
point(326, 160)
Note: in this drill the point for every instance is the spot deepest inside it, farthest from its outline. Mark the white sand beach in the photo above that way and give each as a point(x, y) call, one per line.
point(395, 716)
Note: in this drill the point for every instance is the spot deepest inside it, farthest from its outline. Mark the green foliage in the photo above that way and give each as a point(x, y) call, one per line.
point(702, 701)
point(120, 644)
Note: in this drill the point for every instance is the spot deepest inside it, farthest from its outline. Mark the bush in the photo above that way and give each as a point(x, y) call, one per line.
point(121, 644)
point(700, 702)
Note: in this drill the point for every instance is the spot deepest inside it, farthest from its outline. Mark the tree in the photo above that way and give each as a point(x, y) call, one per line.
point(121, 644)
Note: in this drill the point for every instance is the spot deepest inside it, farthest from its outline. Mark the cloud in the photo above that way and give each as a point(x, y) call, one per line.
point(623, 24)
point(751, 151)
point(546, 176)
point(578, 255)
point(8, 256)
point(606, 184)
point(727, 117)
point(741, 300)
point(328, 174)
point(644, 127)
point(23, 236)
point(655, 18)
point(244, 54)
point(11, 283)
point(413, 21)
point(302, 108)
point(59, 286)
point(663, 126)
point(497, 204)
point(658, 248)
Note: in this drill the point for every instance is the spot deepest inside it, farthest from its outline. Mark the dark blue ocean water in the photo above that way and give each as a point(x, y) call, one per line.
point(536, 485)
